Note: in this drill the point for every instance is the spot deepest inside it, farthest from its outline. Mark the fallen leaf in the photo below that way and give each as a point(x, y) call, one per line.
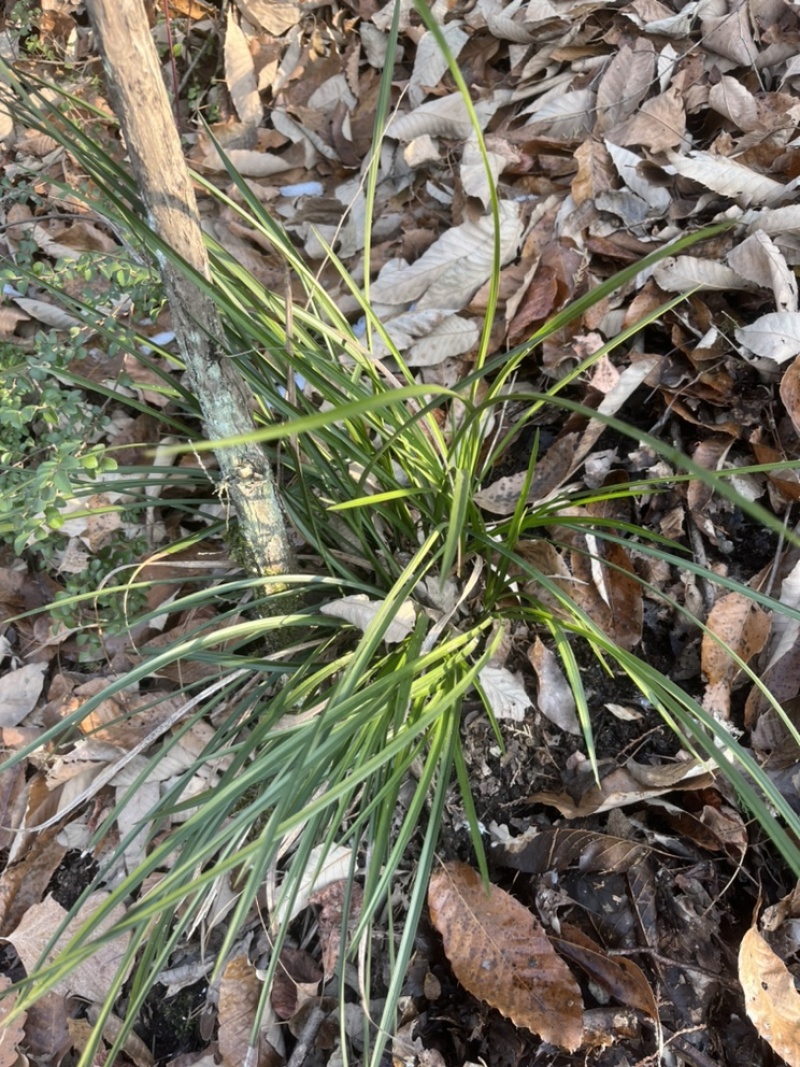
point(620, 977)
point(775, 336)
point(19, 691)
point(770, 996)
point(361, 611)
point(555, 699)
point(93, 977)
point(240, 76)
point(505, 693)
point(500, 953)
point(12, 1035)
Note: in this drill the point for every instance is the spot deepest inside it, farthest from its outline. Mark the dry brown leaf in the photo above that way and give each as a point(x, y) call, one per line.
point(625, 83)
point(537, 851)
point(596, 173)
point(296, 982)
point(608, 591)
point(11, 1034)
point(626, 785)
point(618, 976)
point(770, 996)
point(502, 496)
point(790, 392)
point(738, 624)
point(500, 953)
point(47, 1037)
point(93, 977)
point(330, 900)
point(25, 882)
point(239, 993)
point(659, 124)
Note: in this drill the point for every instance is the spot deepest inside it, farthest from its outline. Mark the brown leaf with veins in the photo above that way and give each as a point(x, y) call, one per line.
point(659, 123)
point(790, 392)
point(770, 997)
point(596, 173)
point(737, 624)
point(500, 953)
point(621, 977)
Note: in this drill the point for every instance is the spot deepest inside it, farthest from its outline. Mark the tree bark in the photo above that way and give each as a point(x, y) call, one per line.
point(139, 98)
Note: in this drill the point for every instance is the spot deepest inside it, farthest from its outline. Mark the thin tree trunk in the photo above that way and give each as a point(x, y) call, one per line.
point(140, 100)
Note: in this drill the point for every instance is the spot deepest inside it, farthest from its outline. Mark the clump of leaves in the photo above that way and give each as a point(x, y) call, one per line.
point(345, 734)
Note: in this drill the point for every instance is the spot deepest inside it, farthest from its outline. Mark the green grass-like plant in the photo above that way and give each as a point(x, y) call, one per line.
point(326, 736)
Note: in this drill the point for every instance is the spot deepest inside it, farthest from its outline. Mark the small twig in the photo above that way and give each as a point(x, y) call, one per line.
point(308, 1036)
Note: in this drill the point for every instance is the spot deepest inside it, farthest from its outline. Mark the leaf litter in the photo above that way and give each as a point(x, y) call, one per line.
point(610, 130)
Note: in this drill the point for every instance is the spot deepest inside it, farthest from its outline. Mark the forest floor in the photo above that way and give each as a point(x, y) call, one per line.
point(612, 128)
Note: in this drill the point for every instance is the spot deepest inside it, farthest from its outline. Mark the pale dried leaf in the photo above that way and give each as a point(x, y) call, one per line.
point(275, 16)
point(505, 693)
point(770, 996)
point(659, 123)
point(625, 786)
point(49, 314)
point(240, 76)
point(12, 1034)
point(19, 691)
point(445, 116)
point(555, 699)
point(731, 36)
point(10, 318)
point(727, 177)
point(760, 260)
point(627, 164)
point(332, 92)
point(733, 100)
point(474, 178)
point(428, 336)
point(785, 630)
point(6, 121)
point(430, 63)
point(452, 337)
point(249, 163)
point(454, 267)
point(774, 336)
point(92, 978)
point(564, 116)
point(625, 83)
point(314, 878)
point(680, 274)
point(360, 611)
